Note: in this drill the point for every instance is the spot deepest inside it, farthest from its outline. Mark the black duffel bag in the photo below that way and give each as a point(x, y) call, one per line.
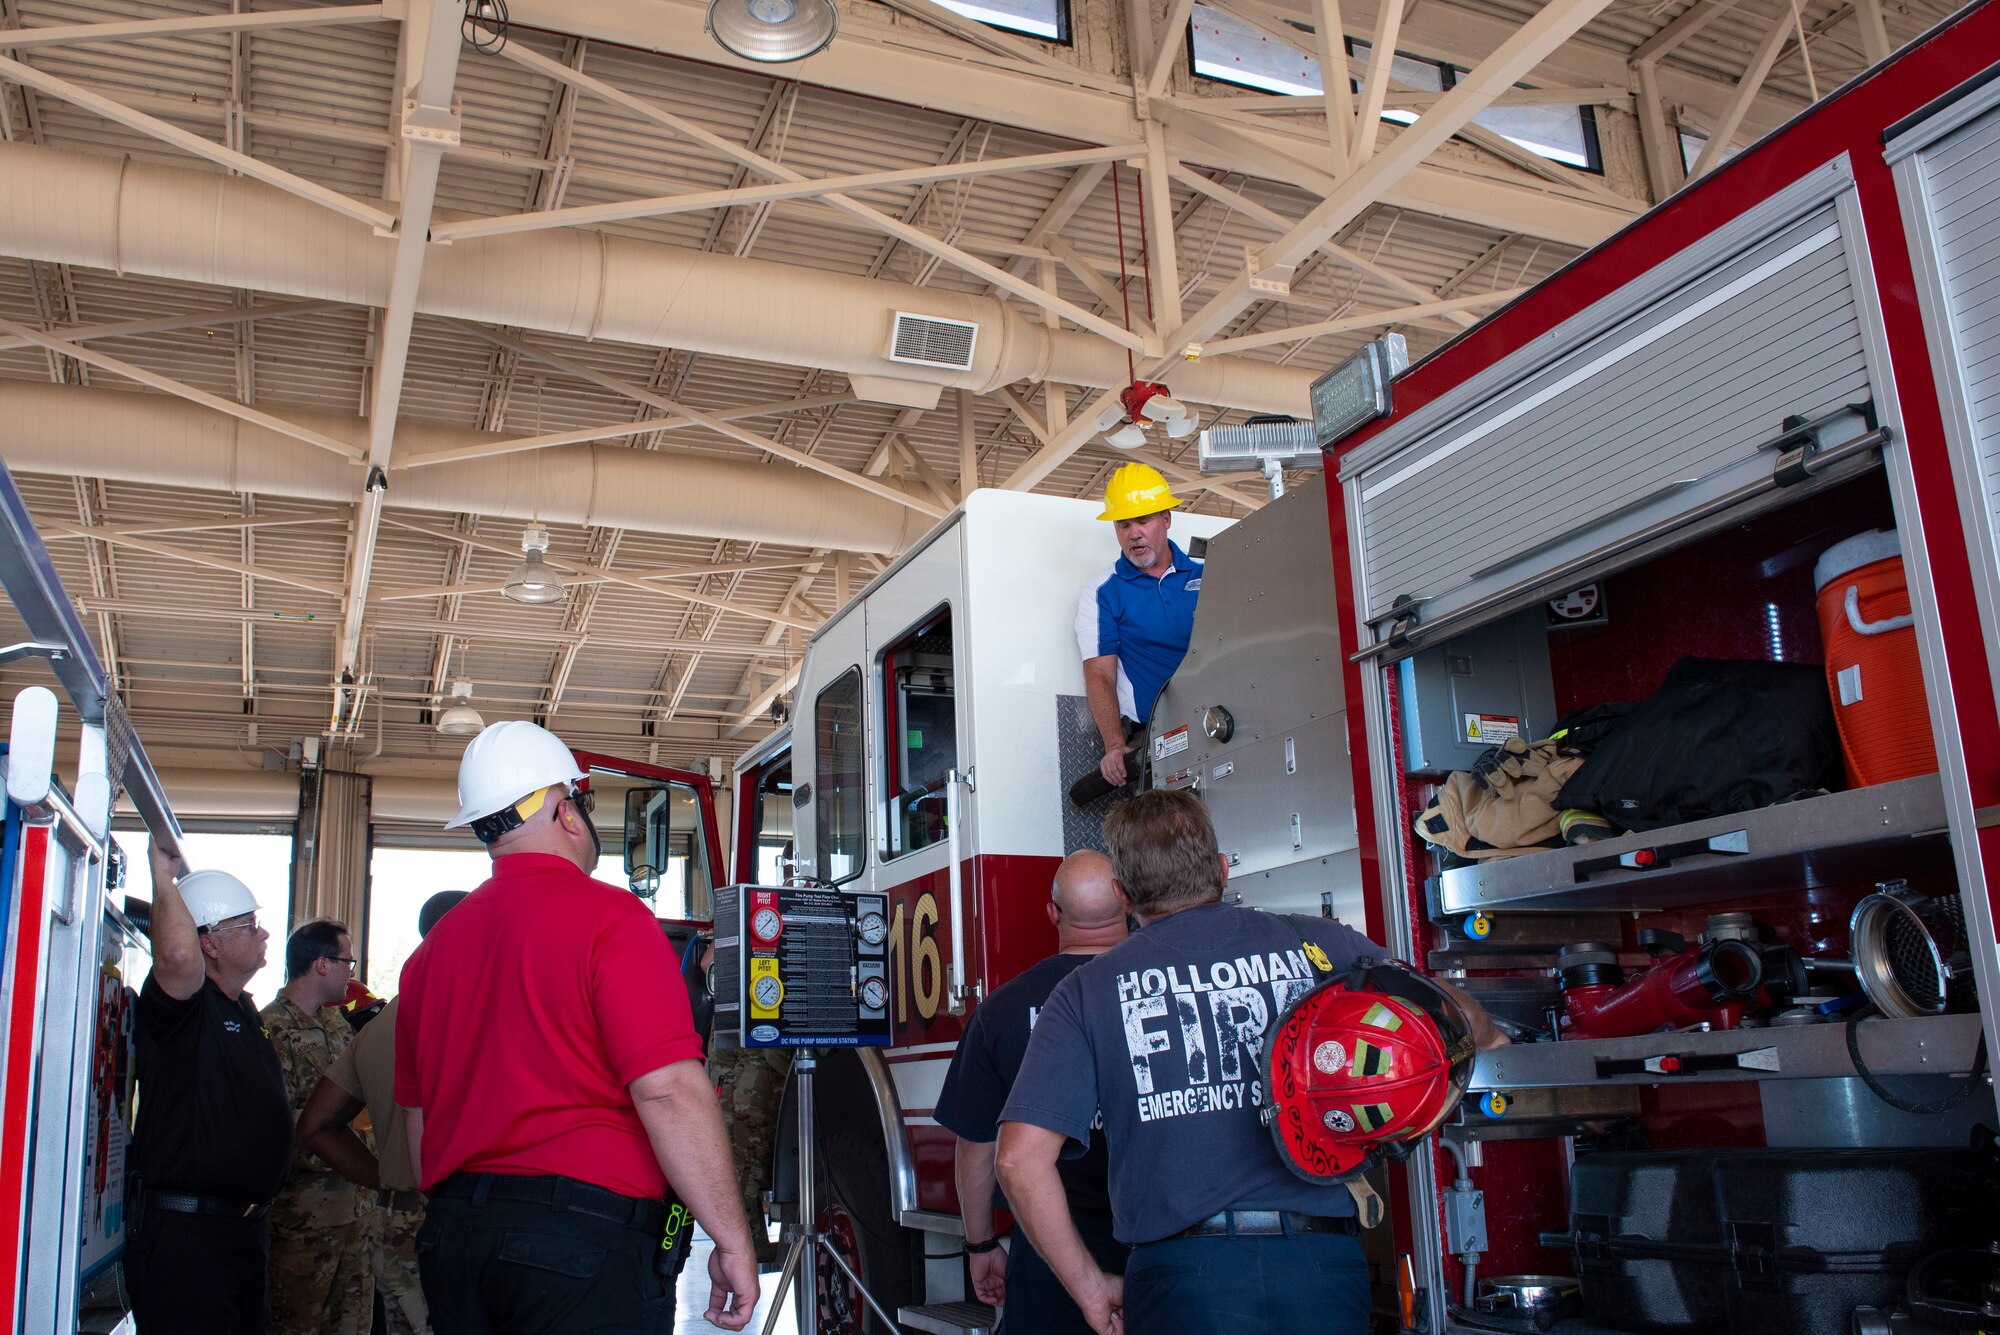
point(1719, 736)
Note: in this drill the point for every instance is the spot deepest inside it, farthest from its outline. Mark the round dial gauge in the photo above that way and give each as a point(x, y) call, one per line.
point(767, 991)
point(874, 993)
point(873, 928)
point(765, 924)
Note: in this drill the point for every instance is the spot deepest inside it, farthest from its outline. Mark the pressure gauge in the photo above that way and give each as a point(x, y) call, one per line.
point(874, 994)
point(767, 992)
point(766, 925)
point(873, 928)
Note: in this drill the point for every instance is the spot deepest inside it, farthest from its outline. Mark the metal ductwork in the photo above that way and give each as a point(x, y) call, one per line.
point(200, 226)
point(151, 438)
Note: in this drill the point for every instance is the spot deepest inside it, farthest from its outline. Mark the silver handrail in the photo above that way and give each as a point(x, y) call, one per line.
point(958, 995)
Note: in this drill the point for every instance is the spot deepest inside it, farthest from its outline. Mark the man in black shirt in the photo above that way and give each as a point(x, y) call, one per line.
point(1089, 917)
point(214, 1140)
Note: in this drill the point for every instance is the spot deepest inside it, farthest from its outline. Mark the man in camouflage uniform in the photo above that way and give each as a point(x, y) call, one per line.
point(750, 1084)
point(363, 1079)
point(321, 1276)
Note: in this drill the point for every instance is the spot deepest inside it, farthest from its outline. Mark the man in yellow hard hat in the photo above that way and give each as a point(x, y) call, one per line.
point(1133, 624)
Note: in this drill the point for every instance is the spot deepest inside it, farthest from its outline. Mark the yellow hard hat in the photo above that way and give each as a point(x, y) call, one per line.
point(1135, 491)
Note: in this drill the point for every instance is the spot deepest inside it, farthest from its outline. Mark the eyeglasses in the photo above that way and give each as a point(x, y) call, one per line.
point(585, 799)
point(250, 926)
point(348, 960)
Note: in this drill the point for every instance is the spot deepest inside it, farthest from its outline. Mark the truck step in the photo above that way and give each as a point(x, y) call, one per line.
point(950, 1318)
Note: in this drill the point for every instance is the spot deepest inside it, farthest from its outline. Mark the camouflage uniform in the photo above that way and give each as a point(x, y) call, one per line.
point(750, 1084)
point(322, 1281)
point(396, 1272)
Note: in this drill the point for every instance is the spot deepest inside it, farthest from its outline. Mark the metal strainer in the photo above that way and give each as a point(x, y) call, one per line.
point(1910, 951)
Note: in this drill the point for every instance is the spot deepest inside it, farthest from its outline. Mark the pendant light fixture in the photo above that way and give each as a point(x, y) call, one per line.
point(532, 581)
point(461, 720)
point(772, 32)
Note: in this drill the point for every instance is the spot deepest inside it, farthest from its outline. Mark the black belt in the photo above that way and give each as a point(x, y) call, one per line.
point(558, 1193)
point(182, 1203)
point(405, 1201)
point(1267, 1224)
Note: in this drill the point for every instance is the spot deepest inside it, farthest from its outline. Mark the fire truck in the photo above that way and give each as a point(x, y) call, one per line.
point(1639, 461)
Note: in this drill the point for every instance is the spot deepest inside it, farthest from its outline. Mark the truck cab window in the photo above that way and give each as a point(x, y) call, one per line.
point(771, 821)
point(665, 849)
point(840, 809)
point(921, 722)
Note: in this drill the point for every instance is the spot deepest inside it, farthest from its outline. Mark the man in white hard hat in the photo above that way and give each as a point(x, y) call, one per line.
point(214, 1139)
point(558, 1113)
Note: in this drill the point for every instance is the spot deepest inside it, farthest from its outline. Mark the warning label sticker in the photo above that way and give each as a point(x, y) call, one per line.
point(1170, 743)
point(1491, 729)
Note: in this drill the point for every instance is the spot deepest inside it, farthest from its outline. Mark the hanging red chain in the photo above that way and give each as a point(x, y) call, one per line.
point(1124, 280)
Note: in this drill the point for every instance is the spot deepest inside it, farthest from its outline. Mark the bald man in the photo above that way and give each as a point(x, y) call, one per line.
point(1089, 915)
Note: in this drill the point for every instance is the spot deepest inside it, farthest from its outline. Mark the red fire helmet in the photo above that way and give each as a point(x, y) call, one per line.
point(1361, 1064)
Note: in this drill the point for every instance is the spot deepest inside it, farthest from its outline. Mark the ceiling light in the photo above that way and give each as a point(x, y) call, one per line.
point(772, 31)
point(461, 720)
point(532, 580)
point(1131, 436)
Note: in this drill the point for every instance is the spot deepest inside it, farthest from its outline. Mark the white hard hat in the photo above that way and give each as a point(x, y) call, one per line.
point(505, 763)
point(213, 896)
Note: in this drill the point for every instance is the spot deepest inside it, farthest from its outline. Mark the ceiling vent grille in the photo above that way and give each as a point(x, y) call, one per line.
point(925, 340)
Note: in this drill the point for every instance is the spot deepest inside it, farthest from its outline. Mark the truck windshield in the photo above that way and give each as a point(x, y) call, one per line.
point(921, 725)
point(840, 808)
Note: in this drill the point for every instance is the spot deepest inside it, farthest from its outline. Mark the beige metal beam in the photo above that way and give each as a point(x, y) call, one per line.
point(1555, 24)
point(1723, 131)
point(1172, 37)
point(657, 206)
point(1264, 338)
point(427, 121)
point(615, 431)
point(166, 324)
point(703, 419)
point(137, 30)
point(1875, 44)
point(152, 126)
point(1340, 254)
point(913, 236)
point(178, 389)
point(1336, 98)
point(1381, 57)
point(207, 559)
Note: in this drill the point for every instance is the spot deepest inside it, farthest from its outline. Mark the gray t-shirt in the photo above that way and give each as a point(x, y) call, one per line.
point(1164, 1033)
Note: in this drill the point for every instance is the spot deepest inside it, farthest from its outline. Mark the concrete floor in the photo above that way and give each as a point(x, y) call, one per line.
point(691, 1297)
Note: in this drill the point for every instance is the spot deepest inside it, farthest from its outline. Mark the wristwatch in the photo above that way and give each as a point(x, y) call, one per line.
point(981, 1248)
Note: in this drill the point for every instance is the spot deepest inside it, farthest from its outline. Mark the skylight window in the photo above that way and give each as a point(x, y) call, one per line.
point(1047, 19)
point(1229, 49)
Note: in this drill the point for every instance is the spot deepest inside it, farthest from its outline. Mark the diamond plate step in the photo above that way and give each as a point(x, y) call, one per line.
point(950, 1318)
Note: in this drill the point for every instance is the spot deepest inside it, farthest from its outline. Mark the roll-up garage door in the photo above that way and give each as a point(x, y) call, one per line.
point(1951, 195)
point(1653, 414)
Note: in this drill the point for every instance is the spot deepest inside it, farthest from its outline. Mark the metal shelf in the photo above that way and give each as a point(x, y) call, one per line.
point(1933, 1046)
point(1873, 833)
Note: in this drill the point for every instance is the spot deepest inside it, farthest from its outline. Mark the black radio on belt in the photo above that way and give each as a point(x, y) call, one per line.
point(675, 1239)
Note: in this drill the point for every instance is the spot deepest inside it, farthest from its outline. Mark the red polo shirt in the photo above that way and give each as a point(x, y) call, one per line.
point(523, 1017)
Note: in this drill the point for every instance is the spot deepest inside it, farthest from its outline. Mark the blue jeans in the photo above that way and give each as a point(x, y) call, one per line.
point(1037, 1303)
point(1315, 1282)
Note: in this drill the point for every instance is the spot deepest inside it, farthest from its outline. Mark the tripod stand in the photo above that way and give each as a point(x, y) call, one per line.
point(802, 1261)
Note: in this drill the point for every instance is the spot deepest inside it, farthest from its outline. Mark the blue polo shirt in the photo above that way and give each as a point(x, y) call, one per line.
point(1145, 621)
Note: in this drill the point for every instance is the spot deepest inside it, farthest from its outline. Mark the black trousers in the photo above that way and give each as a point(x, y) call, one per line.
point(1037, 1303)
point(194, 1274)
point(1314, 1282)
point(517, 1268)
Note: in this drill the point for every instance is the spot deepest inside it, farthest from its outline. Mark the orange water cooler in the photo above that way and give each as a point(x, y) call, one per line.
point(1872, 666)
